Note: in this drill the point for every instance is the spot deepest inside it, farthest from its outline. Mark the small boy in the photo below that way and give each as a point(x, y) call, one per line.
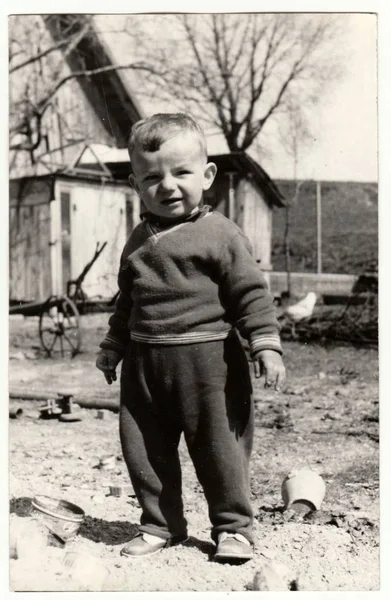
point(186, 279)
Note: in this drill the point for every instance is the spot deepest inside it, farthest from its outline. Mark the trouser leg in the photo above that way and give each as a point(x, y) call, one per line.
point(149, 438)
point(217, 412)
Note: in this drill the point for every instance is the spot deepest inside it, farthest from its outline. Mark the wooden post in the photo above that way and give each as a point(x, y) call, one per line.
point(319, 226)
point(231, 197)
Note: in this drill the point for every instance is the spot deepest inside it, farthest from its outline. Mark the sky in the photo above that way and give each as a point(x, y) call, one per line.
point(344, 122)
point(346, 147)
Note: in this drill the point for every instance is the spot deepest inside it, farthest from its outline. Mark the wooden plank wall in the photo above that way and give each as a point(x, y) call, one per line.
point(256, 221)
point(98, 214)
point(29, 256)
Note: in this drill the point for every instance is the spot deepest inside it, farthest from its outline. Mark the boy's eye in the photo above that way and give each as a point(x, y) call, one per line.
point(184, 172)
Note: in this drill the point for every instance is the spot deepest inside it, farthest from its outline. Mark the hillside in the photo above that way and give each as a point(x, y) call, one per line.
point(349, 224)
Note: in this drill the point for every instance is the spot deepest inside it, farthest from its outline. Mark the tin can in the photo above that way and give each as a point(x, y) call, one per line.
point(303, 485)
point(121, 490)
point(107, 462)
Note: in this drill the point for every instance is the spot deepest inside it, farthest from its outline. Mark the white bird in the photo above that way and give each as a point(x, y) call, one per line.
point(297, 312)
point(302, 309)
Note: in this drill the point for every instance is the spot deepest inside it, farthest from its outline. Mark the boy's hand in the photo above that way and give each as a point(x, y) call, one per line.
point(107, 362)
point(269, 363)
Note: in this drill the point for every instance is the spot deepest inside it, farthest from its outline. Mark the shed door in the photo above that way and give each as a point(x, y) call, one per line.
point(65, 200)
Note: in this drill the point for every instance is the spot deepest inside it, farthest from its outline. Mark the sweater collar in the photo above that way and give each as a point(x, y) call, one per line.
point(154, 219)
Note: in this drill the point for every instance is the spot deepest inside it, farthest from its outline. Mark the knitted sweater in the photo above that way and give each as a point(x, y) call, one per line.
point(191, 282)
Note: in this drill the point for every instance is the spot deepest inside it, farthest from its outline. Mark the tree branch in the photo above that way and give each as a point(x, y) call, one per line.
point(70, 45)
point(221, 59)
point(215, 99)
point(38, 56)
point(90, 73)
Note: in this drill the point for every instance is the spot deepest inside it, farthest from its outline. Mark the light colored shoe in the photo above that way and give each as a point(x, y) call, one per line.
point(144, 544)
point(233, 547)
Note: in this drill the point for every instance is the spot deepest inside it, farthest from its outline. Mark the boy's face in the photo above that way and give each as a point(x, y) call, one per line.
point(171, 180)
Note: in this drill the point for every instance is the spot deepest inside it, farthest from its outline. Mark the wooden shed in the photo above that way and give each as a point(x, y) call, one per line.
point(56, 222)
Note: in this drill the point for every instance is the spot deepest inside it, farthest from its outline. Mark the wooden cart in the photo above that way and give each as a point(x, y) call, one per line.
point(59, 316)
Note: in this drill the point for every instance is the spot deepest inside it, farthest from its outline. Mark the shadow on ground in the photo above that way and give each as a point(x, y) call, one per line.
point(96, 530)
point(202, 546)
point(21, 506)
point(107, 532)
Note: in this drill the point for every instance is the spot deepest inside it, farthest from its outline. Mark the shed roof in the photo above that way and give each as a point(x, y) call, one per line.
point(109, 93)
point(242, 163)
point(237, 162)
point(118, 172)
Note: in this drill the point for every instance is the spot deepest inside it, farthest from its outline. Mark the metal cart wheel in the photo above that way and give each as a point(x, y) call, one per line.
point(59, 327)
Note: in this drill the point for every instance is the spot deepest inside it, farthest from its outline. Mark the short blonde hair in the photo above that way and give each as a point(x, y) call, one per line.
point(149, 134)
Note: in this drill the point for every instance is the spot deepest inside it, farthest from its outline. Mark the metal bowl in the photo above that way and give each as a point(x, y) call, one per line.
point(60, 516)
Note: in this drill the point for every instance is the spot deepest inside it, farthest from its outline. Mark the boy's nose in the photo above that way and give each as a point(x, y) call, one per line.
point(167, 183)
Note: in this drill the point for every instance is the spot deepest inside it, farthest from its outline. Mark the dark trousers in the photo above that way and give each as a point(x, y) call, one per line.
point(203, 390)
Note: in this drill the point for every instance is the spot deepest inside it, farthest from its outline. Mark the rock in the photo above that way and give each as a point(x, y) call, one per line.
point(296, 585)
point(342, 392)
point(299, 391)
point(267, 579)
point(86, 570)
point(98, 498)
point(30, 355)
point(29, 539)
point(283, 421)
point(17, 355)
point(328, 416)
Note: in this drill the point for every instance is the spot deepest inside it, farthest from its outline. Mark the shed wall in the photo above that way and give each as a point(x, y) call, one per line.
point(98, 214)
point(29, 243)
point(256, 221)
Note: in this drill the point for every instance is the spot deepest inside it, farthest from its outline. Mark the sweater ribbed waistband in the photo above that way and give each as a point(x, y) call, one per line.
point(191, 337)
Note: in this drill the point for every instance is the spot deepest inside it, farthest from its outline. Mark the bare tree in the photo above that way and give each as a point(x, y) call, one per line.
point(234, 71)
point(39, 70)
point(296, 139)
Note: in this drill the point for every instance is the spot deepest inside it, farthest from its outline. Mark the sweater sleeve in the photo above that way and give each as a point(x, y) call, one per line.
point(118, 336)
point(246, 296)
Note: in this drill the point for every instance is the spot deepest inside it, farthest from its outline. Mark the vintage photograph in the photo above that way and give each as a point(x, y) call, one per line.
point(193, 372)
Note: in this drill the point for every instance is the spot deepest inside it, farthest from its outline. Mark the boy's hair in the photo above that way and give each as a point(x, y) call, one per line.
point(149, 134)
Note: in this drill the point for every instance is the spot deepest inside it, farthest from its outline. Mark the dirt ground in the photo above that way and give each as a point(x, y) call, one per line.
point(326, 418)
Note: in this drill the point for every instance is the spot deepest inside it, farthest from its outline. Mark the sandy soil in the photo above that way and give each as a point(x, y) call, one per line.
point(326, 419)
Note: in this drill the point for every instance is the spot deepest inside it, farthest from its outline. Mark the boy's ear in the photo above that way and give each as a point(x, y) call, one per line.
point(209, 175)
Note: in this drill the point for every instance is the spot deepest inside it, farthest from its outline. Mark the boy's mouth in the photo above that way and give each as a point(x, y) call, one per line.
point(169, 201)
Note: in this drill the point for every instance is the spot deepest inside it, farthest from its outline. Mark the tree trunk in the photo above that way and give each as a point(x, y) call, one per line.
point(287, 249)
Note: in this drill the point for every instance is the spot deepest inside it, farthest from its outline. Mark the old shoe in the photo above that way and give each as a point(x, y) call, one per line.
point(144, 544)
point(233, 547)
